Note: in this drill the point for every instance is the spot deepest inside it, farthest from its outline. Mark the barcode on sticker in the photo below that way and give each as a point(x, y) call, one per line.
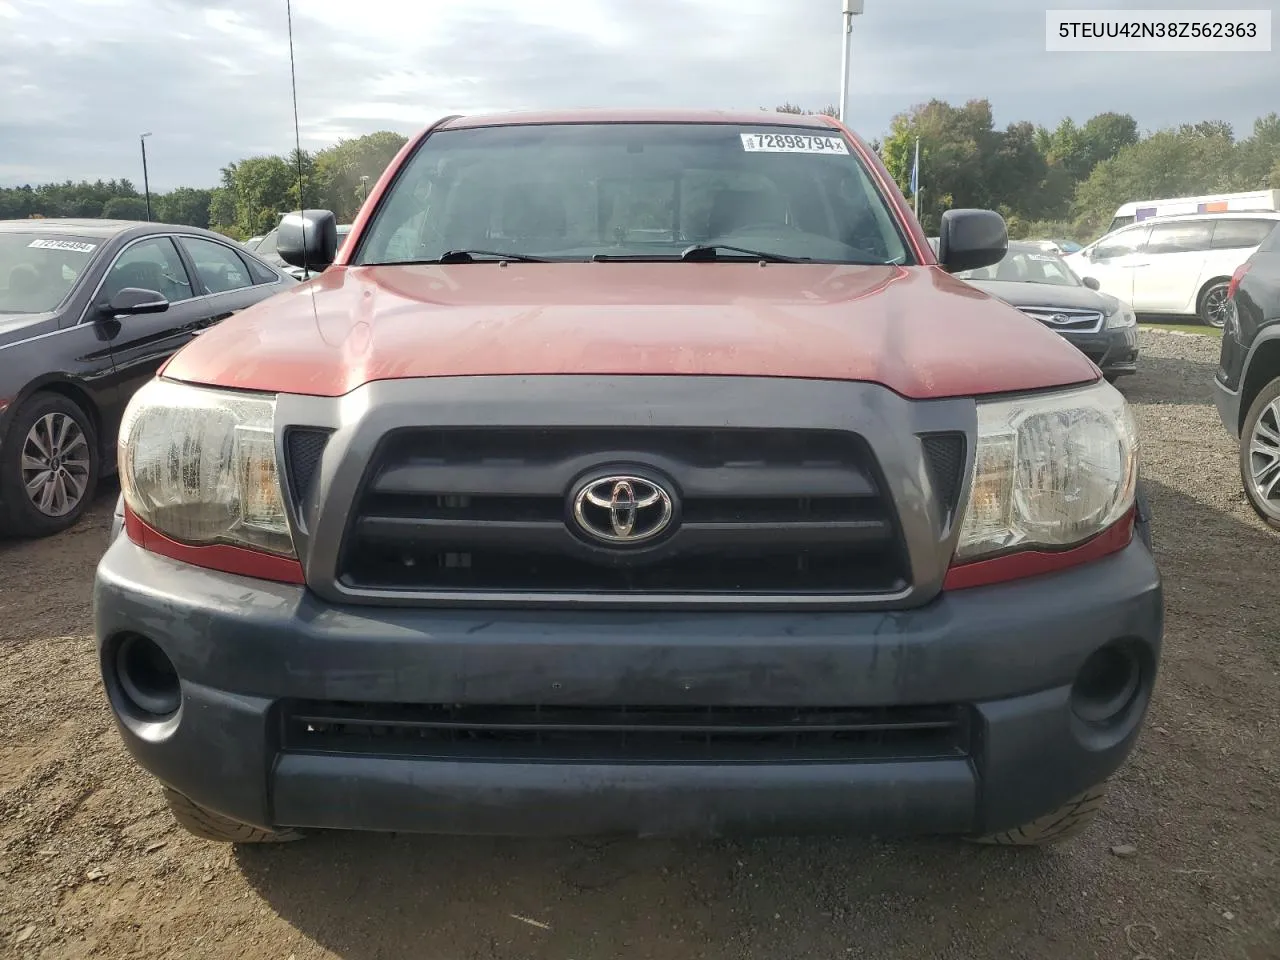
point(77, 246)
point(792, 143)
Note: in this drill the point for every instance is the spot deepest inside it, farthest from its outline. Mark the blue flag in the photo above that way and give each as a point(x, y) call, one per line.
point(915, 170)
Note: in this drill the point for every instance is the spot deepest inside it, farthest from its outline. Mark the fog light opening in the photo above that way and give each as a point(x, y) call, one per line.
point(147, 677)
point(1107, 683)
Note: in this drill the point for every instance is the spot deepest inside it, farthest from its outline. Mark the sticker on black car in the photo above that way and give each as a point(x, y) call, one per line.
point(76, 245)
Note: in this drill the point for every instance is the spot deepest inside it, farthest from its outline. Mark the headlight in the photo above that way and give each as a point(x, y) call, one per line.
point(1123, 317)
point(199, 466)
point(1051, 471)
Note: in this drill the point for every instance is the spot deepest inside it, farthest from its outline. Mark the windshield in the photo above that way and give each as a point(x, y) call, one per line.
point(38, 270)
point(634, 191)
point(1026, 266)
point(266, 247)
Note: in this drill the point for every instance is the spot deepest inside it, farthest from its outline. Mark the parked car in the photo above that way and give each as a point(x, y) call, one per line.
point(1061, 247)
point(89, 309)
point(252, 242)
point(1175, 265)
point(516, 525)
point(1041, 285)
point(267, 250)
point(1247, 384)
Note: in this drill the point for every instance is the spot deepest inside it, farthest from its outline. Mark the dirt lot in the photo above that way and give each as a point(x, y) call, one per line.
point(90, 865)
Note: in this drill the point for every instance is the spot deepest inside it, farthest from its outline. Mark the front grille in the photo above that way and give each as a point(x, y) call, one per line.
point(622, 734)
point(303, 448)
point(759, 511)
point(1072, 320)
point(945, 456)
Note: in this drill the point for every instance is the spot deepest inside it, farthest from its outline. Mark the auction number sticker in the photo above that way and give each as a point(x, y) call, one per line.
point(792, 143)
point(76, 246)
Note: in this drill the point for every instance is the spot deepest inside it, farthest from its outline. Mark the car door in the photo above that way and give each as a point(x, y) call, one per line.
point(1112, 260)
point(140, 344)
point(228, 280)
point(1167, 278)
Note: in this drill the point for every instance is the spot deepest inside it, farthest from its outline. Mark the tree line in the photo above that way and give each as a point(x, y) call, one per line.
point(1060, 182)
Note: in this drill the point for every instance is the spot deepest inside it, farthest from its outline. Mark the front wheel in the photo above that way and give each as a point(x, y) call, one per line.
point(49, 466)
point(1214, 305)
point(1062, 824)
point(1260, 454)
point(208, 825)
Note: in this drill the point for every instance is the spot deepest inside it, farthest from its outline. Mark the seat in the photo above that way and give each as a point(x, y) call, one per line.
point(143, 274)
point(1011, 269)
point(528, 212)
point(25, 289)
point(734, 210)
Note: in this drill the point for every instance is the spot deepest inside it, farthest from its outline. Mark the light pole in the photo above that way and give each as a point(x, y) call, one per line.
point(364, 192)
point(146, 183)
point(852, 8)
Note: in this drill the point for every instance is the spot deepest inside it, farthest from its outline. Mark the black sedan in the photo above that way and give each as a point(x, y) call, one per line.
point(1247, 385)
point(1041, 285)
point(89, 310)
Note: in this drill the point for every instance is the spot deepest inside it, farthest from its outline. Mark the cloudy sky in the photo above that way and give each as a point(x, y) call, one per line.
point(210, 80)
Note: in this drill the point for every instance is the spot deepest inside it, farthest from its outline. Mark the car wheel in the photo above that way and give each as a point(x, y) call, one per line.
point(1213, 304)
point(1260, 454)
point(49, 466)
point(208, 825)
point(1062, 824)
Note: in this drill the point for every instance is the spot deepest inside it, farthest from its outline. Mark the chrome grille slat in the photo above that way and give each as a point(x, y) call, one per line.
point(1079, 321)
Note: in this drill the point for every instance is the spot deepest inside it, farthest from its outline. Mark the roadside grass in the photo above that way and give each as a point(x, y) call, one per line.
point(1203, 330)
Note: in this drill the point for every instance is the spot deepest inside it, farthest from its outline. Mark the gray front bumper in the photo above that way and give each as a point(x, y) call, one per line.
point(1009, 653)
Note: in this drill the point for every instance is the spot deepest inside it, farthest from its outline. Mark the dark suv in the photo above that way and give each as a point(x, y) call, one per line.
point(632, 472)
point(1247, 384)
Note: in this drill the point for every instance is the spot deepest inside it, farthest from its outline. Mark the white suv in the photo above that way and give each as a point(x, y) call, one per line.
point(1176, 265)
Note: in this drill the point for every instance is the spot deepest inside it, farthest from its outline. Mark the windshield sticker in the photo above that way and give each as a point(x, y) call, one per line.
point(76, 246)
point(792, 143)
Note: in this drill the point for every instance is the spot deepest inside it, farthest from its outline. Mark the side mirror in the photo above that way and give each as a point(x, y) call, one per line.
point(308, 239)
point(134, 300)
point(971, 239)
point(1092, 283)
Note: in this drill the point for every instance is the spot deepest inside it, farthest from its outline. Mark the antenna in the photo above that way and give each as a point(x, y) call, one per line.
point(297, 135)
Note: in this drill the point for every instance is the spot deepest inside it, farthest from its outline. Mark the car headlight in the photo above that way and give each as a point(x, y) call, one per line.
point(199, 466)
point(1051, 471)
point(1123, 316)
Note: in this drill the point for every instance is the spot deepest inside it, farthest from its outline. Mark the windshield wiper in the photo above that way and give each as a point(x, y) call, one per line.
point(474, 256)
point(711, 251)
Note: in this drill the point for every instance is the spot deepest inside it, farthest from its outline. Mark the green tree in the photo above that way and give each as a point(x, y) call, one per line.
point(345, 172)
point(957, 154)
point(185, 205)
point(264, 189)
point(125, 208)
point(1258, 156)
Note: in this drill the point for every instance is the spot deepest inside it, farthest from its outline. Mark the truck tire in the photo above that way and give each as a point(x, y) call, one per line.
point(208, 825)
point(1062, 824)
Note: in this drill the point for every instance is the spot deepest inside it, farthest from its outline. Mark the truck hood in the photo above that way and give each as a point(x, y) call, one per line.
point(915, 330)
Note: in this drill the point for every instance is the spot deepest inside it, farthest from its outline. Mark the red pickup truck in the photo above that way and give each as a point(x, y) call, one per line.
point(631, 472)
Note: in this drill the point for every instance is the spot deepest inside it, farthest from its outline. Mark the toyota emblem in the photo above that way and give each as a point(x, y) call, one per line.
point(623, 510)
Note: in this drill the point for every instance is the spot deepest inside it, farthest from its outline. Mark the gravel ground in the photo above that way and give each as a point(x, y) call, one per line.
point(90, 865)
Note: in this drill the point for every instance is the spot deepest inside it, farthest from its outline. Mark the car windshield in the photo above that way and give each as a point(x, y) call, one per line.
point(635, 191)
point(38, 270)
point(1025, 265)
point(267, 245)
